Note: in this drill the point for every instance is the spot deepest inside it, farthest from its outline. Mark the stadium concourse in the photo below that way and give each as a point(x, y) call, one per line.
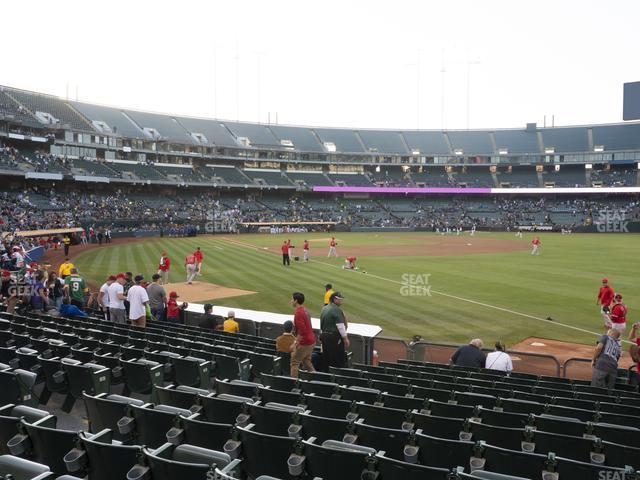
point(83, 397)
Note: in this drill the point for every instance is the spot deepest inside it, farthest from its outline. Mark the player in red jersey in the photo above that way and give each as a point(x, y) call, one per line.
point(163, 268)
point(332, 247)
point(305, 250)
point(605, 297)
point(350, 263)
point(285, 253)
point(192, 269)
point(618, 314)
point(535, 244)
point(199, 257)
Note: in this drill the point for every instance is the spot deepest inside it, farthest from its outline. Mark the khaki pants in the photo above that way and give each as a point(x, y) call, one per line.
point(140, 322)
point(302, 354)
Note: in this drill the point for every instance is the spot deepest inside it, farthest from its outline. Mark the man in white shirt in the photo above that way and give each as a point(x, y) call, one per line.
point(499, 359)
point(17, 257)
point(138, 300)
point(103, 296)
point(117, 312)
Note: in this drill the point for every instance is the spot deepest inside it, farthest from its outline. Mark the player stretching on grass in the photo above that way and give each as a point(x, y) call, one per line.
point(535, 243)
point(332, 248)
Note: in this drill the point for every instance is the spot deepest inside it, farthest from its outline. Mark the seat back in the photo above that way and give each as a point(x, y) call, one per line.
point(49, 445)
point(201, 434)
point(323, 428)
point(326, 461)
point(104, 411)
point(391, 441)
point(444, 453)
point(254, 446)
point(390, 468)
point(104, 460)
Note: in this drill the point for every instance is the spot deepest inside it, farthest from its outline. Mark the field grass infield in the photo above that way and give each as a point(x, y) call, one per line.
point(504, 293)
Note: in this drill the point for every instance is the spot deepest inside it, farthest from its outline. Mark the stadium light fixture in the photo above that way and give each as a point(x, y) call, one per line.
point(549, 150)
point(598, 148)
point(503, 151)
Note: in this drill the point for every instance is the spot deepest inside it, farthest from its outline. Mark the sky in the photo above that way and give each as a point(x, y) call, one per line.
point(451, 64)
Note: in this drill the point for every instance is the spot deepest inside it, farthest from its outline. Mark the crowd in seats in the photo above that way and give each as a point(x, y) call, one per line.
point(179, 401)
point(615, 177)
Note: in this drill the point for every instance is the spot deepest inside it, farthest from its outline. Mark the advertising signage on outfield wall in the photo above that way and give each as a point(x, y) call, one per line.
point(478, 191)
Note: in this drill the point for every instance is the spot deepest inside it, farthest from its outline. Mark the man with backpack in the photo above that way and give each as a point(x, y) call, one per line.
point(605, 360)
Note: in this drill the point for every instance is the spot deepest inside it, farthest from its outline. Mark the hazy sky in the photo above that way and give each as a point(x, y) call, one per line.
point(377, 64)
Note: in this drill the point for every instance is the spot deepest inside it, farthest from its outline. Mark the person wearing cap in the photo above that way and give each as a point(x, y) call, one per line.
point(163, 268)
point(65, 268)
point(605, 360)
point(230, 325)
point(333, 334)
point(173, 310)
point(191, 267)
point(332, 248)
point(605, 297)
point(157, 297)
point(75, 288)
point(66, 241)
point(103, 296)
point(199, 257)
point(117, 312)
point(618, 315)
point(305, 251)
point(138, 301)
point(328, 291)
point(55, 288)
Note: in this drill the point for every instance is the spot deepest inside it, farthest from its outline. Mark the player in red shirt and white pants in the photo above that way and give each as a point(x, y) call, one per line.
point(332, 247)
point(618, 314)
point(305, 251)
point(199, 257)
point(190, 265)
point(163, 268)
point(605, 297)
point(536, 246)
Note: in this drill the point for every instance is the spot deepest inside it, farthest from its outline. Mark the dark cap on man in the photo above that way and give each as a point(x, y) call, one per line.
point(336, 296)
point(138, 278)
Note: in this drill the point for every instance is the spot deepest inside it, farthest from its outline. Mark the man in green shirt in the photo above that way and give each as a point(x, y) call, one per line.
point(75, 288)
point(333, 335)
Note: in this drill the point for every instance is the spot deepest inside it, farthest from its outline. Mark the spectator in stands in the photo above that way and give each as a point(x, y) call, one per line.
point(69, 310)
point(55, 288)
point(65, 268)
point(634, 351)
point(173, 310)
point(305, 339)
point(138, 301)
point(117, 312)
point(209, 321)
point(285, 341)
point(103, 296)
point(605, 360)
point(39, 297)
point(66, 241)
point(230, 324)
point(469, 355)
point(328, 291)
point(75, 288)
point(499, 359)
point(157, 297)
point(333, 334)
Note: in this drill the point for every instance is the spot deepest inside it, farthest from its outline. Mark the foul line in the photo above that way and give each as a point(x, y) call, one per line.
point(475, 302)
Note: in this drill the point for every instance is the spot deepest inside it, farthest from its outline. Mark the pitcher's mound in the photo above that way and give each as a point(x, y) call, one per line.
point(200, 291)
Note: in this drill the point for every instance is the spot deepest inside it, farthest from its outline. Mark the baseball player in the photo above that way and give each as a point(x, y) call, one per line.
point(199, 257)
point(305, 250)
point(618, 314)
point(163, 268)
point(286, 261)
point(350, 263)
point(519, 234)
point(191, 266)
point(332, 248)
point(605, 297)
point(535, 243)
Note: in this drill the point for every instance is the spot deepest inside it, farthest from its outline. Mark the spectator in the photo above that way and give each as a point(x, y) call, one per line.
point(117, 312)
point(328, 291)
point(138, 301)
point(305, 339)
point(634, 351)
point(8, 291)
point(499, 359)
point(605, 360)
point(173, 311)
point(56, 290)
point(65, 268)
point(68, 310)
point(66, 241)
point(209, 321)
point(75, 288)
point(39, 297)
point(103, 296)
point(157, 297)
point(285, 341)
point(333, 334)
point(230, 324)
point(469, 355)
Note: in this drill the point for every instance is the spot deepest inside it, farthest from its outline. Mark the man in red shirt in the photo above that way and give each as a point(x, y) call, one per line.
point(285, 252)
point(305, 338)
point(535, 243)
point(618, 314)
point(605, 297)
point(199, 257)
point(173, 310)
point(190, 265)
point(305, 250)
point(163, 268)
point(332, 247)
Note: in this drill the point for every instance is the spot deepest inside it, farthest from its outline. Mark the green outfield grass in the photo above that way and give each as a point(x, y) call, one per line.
point(562, 282)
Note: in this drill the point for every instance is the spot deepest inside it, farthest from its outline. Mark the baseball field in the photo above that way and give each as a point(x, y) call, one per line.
point(445, 288)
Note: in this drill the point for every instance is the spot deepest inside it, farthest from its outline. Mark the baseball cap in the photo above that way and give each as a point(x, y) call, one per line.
point(121, 275)
point(208, 306)
point(328, 285)
point(112, 278)
point(138, 278)
point(6, 273)
point(604, 280)
point(173, 295)
point(336, 295)
point(231, 313)
point(618, 296)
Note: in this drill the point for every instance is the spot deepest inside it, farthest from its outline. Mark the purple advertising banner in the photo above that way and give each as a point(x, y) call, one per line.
point(402, 190)
point(481, 191)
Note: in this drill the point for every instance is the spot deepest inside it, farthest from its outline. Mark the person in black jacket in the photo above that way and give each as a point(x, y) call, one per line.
point(469, 355)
